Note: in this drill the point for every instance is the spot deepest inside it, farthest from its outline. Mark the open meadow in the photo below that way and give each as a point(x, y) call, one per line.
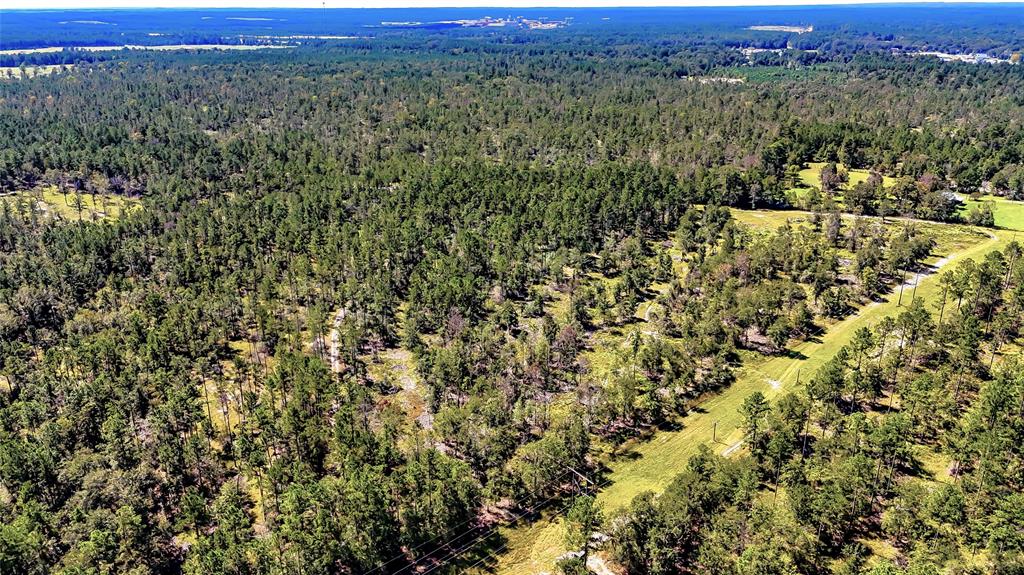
point(72, 206)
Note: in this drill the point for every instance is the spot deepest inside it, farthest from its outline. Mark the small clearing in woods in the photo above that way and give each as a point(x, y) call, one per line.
point(49, 201)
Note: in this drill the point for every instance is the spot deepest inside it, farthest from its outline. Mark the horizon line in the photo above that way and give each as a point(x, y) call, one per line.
point(34, 6)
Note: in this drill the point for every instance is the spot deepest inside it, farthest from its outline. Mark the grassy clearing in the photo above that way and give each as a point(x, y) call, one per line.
point(608, 343)
point(1008, 213)
point(396, 368)
point(770, 219)
point(220, 401)
point(94, 207)
point(652, 463)
point(528, 548)
point(781, 73)
point(220, 395)
point(935, 465)
point(948, 238)
point(17, 73)
point(557, 305)
point(810, 177)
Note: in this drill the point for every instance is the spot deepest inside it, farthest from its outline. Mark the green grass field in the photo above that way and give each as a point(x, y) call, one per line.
point(1008, 213)
point(94, 206)
point(811, 176)
point(948, 238)
point(651, 464)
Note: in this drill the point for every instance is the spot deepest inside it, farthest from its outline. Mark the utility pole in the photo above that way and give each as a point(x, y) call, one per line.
point(778, 472)
point(1009, 268)
point(586, 481)
point(903, 282)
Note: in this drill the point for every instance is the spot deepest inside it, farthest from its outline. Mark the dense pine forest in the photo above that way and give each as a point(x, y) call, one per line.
point(515, 302)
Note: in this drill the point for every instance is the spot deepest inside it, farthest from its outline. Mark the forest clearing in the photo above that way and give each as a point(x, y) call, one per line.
point(71, 206)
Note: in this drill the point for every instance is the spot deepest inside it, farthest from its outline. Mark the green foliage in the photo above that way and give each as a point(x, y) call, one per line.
point(195, 385)
point(583, 517)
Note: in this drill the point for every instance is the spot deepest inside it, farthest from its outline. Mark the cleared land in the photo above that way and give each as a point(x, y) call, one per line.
point(789, 29)
point(810, 177)
point(32, 71)
point(1009, 214)
point(51, 202)
point(650, 464)
point(155, 47)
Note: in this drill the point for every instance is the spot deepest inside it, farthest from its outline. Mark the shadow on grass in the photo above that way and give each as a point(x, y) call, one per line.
point(671, 425)
point(472, 564)
point(914, 467)
point(794, 354)
point(469, 554)
point(626, 444)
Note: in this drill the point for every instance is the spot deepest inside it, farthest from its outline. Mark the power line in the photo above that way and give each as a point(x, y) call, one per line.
point(486, 556)
point(434, 538)
point(461, 550)
point(501, 548)
point(603, 484)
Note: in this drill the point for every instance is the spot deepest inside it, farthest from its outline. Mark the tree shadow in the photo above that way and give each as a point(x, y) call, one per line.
point(669, 425)
point(478, 555)
point(915, 467)
point(793, 354)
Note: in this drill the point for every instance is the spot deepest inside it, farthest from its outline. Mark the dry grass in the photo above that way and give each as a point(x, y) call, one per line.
point(51, 202)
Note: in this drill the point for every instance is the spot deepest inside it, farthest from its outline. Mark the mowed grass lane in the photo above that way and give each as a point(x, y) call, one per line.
point(649, 465)
point(652, 464)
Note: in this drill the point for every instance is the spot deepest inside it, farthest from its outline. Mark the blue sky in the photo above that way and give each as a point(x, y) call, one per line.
point(80, 4)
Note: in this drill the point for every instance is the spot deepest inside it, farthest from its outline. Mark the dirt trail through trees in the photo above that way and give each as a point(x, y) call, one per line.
point(335, 339)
